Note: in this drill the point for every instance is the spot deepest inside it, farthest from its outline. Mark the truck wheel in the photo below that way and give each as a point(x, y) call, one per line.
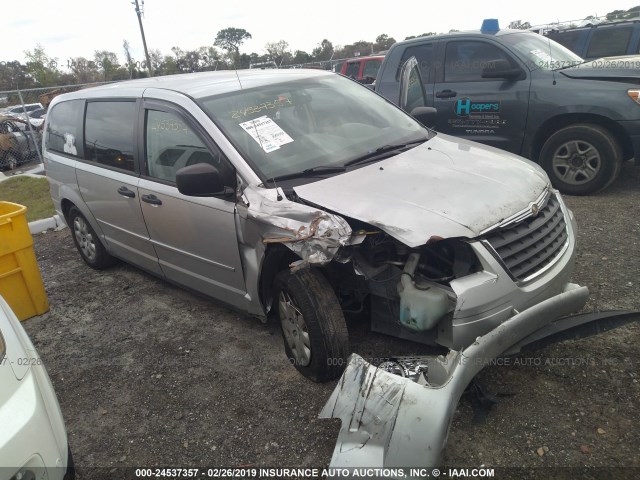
point(87, 242)
point(581, 159)
point(315, 334)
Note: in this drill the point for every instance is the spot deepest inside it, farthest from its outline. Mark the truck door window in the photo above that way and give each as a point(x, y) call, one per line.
point(171, 144)
point(465, 60)
point(609, 42)
point(424, 56)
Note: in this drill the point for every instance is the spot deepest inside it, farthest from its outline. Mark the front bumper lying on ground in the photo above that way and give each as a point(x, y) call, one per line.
point(392, 421)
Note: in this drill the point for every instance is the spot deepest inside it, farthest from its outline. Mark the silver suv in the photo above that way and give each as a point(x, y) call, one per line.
point(306, 195)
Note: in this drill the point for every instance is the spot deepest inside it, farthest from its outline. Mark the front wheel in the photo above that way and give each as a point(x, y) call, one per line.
point(87, 242)
point(314, 330)
point(581, 159)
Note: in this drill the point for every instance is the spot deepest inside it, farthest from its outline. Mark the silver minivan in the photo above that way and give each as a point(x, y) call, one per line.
point(303, 194)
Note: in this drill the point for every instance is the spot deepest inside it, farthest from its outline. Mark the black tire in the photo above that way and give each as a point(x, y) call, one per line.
point(322, 329)
point(87, 242)
point(592, 155)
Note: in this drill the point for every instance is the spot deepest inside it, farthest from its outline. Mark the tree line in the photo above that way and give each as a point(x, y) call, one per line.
point(41, 70)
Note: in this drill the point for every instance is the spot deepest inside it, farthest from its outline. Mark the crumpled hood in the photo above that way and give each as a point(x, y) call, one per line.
point(608, 68)
point(445, 187)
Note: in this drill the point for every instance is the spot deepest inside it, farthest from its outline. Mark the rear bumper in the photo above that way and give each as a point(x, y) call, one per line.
point(391, 421)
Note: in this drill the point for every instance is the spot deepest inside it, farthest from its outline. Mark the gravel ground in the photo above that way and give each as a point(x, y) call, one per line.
point(148, 374)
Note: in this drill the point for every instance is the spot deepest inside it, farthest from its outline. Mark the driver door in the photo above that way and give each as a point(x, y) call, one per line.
point(194, 237)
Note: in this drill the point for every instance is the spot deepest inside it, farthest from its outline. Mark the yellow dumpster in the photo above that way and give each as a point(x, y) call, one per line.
point(20, 281)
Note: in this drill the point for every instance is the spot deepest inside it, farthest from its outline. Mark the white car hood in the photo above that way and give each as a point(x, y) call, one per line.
point(446, 187)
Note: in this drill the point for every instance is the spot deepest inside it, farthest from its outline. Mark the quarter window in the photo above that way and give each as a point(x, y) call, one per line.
point(64, 129)
point(109, 133)
point(465, 60)
point(172, 145)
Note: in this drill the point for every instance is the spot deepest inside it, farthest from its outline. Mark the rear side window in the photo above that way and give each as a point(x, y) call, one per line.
point(371, 68)
point(352, 70)
point(64, 130)
point(109, 133)
point(568, 39)
point(609, 42)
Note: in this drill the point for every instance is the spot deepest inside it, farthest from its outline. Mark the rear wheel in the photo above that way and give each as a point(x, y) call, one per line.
point(581, 159)
point(87, 242)
point(314, 330)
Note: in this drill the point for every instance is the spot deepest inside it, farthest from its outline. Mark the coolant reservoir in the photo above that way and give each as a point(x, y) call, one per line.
point(420, 308)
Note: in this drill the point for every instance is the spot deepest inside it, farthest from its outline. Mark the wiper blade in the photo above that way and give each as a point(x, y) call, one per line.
point(383, 150)
point(311, 172)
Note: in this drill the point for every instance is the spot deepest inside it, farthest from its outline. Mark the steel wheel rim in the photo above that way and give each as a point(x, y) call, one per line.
point(576, 162)
point(295, 330)
point(84, 238)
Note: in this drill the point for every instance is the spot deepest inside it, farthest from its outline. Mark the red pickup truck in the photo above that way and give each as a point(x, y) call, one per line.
point(362, 69)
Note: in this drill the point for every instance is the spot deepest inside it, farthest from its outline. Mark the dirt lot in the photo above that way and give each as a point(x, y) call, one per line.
point(148, 374)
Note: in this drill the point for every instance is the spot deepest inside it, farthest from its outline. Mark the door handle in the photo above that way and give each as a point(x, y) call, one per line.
point(152, 199)
point(125, 192)
point(446, 94)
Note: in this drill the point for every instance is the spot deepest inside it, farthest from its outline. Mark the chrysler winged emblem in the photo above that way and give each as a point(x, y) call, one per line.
point(535, 209)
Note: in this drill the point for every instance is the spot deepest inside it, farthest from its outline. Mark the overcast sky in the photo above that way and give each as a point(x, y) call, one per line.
point(74, 28)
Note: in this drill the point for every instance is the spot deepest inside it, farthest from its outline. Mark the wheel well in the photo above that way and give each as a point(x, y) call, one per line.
point(556, 123)
point(277, 257)
point(66, 206)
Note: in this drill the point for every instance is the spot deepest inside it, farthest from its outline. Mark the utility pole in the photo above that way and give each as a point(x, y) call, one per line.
point(144, 41)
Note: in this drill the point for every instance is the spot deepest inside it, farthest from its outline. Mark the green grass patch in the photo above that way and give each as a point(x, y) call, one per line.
point(30, 192)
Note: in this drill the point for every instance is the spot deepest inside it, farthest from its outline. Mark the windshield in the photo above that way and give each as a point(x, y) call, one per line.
point(541, 52)
point(326, 121)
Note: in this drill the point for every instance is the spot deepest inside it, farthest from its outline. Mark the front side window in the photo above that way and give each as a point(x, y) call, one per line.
point(325, 120)
point(171, 145)
point(465, 60)
point(415, 95)
point(109, 134)
point(64, 130)
point(423, 54)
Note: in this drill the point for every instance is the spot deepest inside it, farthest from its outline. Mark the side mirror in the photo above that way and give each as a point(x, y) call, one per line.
point(425, 115)
point(202, 180)
point(501, 68)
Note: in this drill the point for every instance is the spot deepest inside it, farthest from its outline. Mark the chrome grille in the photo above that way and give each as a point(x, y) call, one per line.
point(530, 245)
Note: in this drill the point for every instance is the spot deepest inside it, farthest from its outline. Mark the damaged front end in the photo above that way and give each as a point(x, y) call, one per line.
point(389, 420)
point(479, 296)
